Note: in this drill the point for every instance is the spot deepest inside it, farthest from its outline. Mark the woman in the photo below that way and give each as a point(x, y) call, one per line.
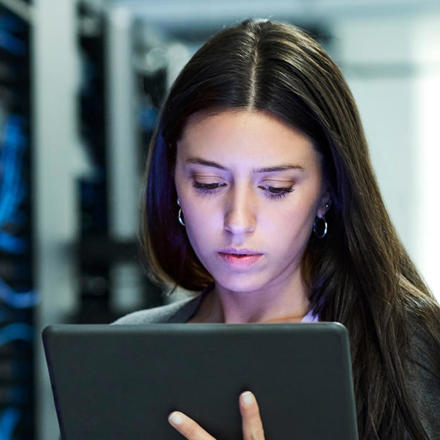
point(260, 194)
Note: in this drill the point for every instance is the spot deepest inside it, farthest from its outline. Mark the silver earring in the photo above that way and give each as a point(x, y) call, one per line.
point(179, 214)
point(320, 227)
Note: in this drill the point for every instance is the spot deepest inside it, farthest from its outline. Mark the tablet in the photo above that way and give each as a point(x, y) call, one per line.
point(121, 382)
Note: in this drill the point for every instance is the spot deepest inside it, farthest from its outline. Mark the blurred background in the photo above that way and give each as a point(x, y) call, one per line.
point(81, 82)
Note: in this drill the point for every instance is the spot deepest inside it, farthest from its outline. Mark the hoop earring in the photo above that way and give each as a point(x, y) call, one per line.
point(179, 214)
point(323, 227)
point(180, 217)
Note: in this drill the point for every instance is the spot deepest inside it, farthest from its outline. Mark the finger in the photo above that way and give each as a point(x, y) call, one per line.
point(188, 427)
point(252, 425)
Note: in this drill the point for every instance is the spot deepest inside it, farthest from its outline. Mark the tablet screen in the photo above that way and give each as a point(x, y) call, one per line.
point(121, 382)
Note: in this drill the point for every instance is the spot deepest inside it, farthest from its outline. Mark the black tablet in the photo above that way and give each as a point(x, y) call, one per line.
point(121, 382)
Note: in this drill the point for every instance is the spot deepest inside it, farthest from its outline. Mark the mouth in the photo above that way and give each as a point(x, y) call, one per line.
point(239, 252)
point(240, 259)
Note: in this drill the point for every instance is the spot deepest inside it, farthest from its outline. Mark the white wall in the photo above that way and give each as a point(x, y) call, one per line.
point(393, 68)
point(56, 161)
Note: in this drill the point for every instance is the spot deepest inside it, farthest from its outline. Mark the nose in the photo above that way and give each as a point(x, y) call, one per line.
point(240, 215)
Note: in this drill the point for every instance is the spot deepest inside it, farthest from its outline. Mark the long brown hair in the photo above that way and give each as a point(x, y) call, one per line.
point(360, 274)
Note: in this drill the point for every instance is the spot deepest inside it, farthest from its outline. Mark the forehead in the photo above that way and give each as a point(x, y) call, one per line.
point(253, 137)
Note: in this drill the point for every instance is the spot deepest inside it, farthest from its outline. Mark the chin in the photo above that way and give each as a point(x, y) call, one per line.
point(240, 283)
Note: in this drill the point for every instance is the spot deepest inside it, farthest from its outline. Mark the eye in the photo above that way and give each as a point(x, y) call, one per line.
point(207, 188)
point(272, 192)
point(275, 192)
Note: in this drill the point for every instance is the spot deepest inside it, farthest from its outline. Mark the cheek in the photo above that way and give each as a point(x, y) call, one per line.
point(291, 217)
point(201, 224)
point(290, 227)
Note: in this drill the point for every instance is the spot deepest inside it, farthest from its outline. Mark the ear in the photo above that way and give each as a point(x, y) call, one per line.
point(324, 205)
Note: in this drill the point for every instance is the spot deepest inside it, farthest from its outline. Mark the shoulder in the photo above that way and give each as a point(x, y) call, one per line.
point(179, 311)
point(424, 340)
point(423, 378)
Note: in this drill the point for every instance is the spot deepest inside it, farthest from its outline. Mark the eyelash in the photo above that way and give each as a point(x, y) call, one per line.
point(273, 192)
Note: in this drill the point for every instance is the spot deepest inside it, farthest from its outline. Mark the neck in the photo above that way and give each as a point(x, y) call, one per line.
point(282, 303)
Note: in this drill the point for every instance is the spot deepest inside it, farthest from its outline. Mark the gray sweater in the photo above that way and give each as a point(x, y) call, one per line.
point(178, 312)
point(423, 381)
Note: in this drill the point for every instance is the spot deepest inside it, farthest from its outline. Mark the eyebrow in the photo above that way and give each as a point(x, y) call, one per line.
point(212, 164)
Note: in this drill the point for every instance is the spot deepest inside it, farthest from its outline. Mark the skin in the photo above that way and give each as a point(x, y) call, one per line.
point(252, 425)
point(229, 201)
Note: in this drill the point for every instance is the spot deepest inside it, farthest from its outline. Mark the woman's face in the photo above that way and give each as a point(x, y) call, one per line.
point(250, 187)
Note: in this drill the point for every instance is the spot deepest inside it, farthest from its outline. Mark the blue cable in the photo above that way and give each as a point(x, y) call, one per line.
point(12, 191)
point(8, 422)
point(9, 23)
point(13, 245)
point(16, 332)
point(18, 300)
point(11, 143)
point(11, 44)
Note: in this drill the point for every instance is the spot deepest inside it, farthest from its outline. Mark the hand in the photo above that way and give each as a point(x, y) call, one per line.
point(252, 425)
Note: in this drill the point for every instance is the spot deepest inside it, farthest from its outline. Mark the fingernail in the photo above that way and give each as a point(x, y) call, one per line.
point(247, 398)
point(175, 418)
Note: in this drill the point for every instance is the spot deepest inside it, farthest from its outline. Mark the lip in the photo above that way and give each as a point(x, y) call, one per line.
point(235, 251)
point(239, 258)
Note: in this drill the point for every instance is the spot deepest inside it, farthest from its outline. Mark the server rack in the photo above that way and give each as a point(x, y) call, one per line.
point(18, 297)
